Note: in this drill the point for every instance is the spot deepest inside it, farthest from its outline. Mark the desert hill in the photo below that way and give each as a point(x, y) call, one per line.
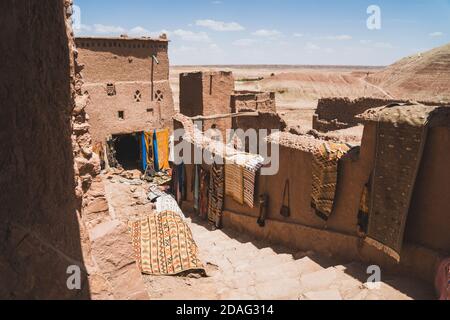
point(424, 76)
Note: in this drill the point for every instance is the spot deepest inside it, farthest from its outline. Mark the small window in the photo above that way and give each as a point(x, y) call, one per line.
point(111, 89)
point(137, 96)
point(121, 115)
point(151, 110)
point(159, 96)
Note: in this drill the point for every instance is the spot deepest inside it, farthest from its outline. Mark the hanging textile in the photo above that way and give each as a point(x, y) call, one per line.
point(234, 181)
point(240, 178)
point(251, 169)
point(204, 193)
point(401, 147)
point(162, 151)
point(196, 188)
point(164, 245)
point(325, 176)
point(216, 194)
point(155, 149)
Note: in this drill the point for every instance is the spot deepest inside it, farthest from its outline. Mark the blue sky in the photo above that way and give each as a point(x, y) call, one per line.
point(325, 32)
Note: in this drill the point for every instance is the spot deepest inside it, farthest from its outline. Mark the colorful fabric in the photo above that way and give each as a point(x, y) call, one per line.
point(325, 176)
point(204, 193)
point(216, 194)
point(400, 145)
point(156, 149)
point(162, 142)
point(164, 245)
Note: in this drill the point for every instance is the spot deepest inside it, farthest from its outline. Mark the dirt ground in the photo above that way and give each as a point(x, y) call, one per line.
point(242, 268)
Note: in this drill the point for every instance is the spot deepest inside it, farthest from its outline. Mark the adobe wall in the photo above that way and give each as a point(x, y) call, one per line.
point(138, 114)
point(41, 231)
point(429, 217)
point(206, 94)
point(118, 77)
point(253, 101)
point(426, 237)
point(122, 59)
point(339, 113)
point(426, 234)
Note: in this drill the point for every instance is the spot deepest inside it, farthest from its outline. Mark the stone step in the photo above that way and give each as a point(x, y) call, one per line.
point(291, 269)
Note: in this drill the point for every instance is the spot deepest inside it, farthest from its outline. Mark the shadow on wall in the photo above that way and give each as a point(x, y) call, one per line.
point(40, 232)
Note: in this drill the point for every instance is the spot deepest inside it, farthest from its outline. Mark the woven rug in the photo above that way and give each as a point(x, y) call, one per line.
point(234, 182)
point(216, 194)
point(399, 150)
point(250, 173)
point(164, 245)
point(325, 176)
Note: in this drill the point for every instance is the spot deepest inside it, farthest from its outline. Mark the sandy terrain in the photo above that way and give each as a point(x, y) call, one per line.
point(423, 77)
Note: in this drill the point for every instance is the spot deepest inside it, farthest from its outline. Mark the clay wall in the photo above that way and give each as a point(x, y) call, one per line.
point(339, 113)
point(129, 91)
point(426, 238)
point(253, 101)
point(123, 59)
point(207, 94)
point(133, 101)
point(41, 232)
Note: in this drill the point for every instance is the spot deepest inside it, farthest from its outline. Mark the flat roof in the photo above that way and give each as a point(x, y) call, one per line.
point(124, 39)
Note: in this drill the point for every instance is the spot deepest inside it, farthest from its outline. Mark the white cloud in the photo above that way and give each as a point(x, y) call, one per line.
point(103, 29)
point(267, 33)
point(217, 2)
point(312, 46)
point(244, 42)
point(436, 34)
point(365, 41)
point(191, 36)
point(383, 45)
point(219, 25)
point(298, 35)
point(342, 37)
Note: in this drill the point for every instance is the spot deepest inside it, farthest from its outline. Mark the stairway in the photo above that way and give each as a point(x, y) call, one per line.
point(241, 269)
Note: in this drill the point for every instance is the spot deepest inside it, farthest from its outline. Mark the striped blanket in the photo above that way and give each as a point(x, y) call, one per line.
point(164, 245)
point(325, 176)
point(216, 194)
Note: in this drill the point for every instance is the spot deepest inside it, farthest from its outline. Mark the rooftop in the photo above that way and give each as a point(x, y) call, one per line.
point(162, 38)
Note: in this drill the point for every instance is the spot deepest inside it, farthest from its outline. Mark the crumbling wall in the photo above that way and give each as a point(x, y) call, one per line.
point(41, 184)
point(129, 90)
point(253, 101)
point(340, 113)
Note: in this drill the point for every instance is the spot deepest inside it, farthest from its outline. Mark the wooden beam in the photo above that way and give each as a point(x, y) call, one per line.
point(224, 116)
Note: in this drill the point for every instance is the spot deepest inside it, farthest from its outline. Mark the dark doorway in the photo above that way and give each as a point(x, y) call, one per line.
point(128, 151)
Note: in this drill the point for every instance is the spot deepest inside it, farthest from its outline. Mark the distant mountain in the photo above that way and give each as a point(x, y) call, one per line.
point(424, 76)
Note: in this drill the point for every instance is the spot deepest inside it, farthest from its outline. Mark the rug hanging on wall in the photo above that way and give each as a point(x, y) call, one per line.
point(325, 167)
point(234, 182)
point(216, 194)
point(164, 245)
point(399, 150)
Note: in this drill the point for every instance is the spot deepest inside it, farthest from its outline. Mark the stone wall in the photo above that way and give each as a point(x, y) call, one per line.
point(129, 90)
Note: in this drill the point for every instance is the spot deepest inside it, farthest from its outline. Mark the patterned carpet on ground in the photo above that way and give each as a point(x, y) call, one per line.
point(164, 245)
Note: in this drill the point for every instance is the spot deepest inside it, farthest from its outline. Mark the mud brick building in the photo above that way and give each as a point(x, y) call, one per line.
point(128, 83)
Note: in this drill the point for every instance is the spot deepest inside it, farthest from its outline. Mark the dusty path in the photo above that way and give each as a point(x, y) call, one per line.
point(239, 267)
